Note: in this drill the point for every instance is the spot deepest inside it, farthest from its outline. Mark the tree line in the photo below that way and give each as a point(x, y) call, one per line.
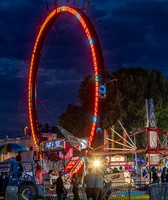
point(125, 101)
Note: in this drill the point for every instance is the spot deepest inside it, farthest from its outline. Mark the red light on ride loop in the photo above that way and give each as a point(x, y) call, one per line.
point(97, 61)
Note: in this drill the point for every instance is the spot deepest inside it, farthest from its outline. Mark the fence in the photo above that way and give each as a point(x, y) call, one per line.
point(69, 197)
point(125, 191)
point(158, 191)
point(117, 191)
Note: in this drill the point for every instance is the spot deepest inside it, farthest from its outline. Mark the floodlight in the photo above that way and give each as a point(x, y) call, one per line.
point(96, 163)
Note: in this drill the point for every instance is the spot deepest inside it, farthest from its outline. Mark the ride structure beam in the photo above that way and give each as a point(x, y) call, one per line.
point(117, 152)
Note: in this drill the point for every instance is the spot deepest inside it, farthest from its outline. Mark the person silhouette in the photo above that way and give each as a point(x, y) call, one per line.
point(75, 183)
point(60, 189)
point(19, 157)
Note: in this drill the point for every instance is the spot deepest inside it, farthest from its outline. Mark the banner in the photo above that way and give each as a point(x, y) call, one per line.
point(122, 177)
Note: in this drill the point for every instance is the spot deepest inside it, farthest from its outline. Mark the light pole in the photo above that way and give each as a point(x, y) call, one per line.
point(25, 131)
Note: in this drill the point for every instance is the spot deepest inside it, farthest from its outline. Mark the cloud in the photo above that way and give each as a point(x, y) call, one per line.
point(136, 30)
point(131, 33)
point(13, 89)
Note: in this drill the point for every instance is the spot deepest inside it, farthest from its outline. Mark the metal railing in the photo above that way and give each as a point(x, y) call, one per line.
point(115, 191)
point(127, 191)
point(158, 191)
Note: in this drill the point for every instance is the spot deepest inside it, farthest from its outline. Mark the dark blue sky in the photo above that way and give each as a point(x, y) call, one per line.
point(131, 33)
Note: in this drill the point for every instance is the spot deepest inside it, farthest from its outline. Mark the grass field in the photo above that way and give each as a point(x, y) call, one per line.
point(142, 197)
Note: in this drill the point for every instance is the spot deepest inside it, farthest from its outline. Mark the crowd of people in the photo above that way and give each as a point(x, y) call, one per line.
point(159, 175)
point(94, 184)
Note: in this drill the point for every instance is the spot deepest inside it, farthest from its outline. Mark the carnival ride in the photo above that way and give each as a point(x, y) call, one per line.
point(154, 145)
point(155, 140)
point(97, 62)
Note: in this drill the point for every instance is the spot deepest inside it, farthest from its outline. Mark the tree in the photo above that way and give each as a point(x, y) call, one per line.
point(125, 101)
point(46, 128)
point(75, 119)
point(134, 86)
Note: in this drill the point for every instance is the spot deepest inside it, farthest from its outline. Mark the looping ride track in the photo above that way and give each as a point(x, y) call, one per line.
point(97, 62)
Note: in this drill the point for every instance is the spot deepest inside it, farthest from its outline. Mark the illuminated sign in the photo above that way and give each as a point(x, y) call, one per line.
point(53, 145)
point(154, 159)
point(116, 158)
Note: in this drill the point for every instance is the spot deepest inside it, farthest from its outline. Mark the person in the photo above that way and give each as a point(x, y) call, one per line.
point(36, 157)
point(89, 181)
point(120, 169)
point(115, 170)
point(75, 184)
point(99, 184)
point(145, 174)
point(50, 171)
point(60, 190)
point(155, 176)
point(19, 157)
point(39, 171)
point(159, 171)
point(20, 167)
point(167, 176)
point(107, 190)
point(51, 175)
point(52, 179)
point(163, 175)
point(164, 180)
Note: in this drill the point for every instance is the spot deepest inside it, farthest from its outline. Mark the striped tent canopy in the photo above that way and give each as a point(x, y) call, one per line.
point(12, 147)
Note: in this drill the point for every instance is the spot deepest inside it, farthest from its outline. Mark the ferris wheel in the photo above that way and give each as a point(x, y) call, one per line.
point(97, 64)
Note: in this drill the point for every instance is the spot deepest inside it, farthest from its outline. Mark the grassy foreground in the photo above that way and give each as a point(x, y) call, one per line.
point(142, 197)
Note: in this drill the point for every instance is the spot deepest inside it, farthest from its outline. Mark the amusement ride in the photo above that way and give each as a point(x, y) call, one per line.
point(154, 148)
point(97, 62)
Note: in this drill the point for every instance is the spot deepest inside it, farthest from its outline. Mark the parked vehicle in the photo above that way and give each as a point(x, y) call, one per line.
point(20, 175)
